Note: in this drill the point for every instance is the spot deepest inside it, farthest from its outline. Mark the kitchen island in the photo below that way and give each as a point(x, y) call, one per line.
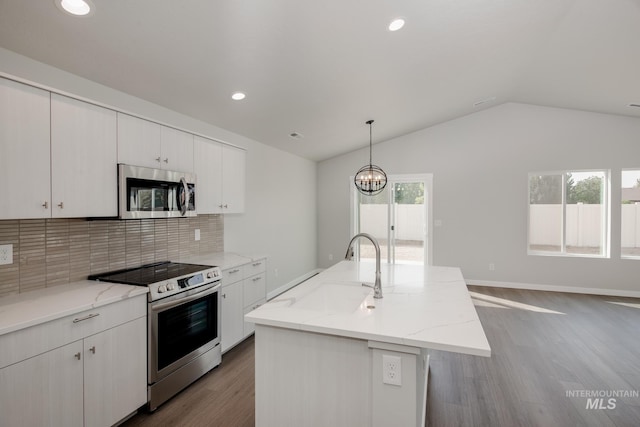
point(328, 353)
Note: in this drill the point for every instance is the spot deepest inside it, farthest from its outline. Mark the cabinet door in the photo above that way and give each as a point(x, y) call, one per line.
point(45, 390)
point(24, 151)
point(233, 178)
point(250, 327)
point(176, 149)
point(232, 312)
point(255, 289)
point(83, 159)
point(207, 164)
point(138, 142)
point(115, 373)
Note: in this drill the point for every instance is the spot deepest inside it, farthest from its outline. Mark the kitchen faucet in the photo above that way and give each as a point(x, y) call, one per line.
point(377, 287)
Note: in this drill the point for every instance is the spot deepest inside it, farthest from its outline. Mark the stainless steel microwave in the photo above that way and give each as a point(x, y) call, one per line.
point(155, 193)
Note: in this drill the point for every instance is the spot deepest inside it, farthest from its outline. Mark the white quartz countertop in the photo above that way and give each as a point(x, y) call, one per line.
point(224, 260)
point(39, 306)
point(426, 307)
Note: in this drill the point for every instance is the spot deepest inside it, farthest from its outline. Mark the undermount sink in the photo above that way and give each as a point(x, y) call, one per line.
point(334, 298)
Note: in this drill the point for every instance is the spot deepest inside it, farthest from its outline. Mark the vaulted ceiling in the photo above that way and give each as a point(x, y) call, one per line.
point(322, 68)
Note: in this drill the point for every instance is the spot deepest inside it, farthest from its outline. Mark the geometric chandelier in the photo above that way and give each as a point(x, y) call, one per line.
point(370, 179)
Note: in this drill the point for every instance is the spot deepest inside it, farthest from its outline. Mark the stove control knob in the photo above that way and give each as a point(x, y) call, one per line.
point(211, 275)
point(170, 286)
point(162, 289)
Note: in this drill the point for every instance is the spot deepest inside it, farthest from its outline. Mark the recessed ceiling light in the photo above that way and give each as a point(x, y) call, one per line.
point(238, 96)
point(396, 24)
point(75, 7)
point(296, 135)
point(634, 105)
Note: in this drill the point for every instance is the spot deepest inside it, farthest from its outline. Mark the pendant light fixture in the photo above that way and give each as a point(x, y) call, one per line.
point(370, 179)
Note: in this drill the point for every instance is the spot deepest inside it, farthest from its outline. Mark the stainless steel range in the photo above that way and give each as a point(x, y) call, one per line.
point(184, 323)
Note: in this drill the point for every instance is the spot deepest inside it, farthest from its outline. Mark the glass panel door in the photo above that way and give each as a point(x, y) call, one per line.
point(373, 218)
point(408, 223)
point(397, 218)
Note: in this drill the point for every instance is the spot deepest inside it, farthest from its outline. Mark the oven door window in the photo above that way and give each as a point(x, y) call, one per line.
point(185, 328)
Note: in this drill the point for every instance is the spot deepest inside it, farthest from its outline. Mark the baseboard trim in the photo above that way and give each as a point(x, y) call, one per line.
point(295, 282)
point(553, 288)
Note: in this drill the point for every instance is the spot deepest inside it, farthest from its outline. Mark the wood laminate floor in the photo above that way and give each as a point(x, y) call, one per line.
point(545, 346)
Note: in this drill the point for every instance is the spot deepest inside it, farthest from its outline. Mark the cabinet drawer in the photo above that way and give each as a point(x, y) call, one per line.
point(254, 289)
point(255, 267)
point(232, 275)
point(29, 342)
point(250, 327)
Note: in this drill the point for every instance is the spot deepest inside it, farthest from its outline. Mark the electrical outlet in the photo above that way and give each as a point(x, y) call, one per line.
point(391, 370)
point(197, 236)
point(6, 254)
point(330, 257)
point(275, 272)
point(492, 266)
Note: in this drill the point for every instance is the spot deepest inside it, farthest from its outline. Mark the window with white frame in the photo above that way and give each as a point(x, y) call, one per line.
point(630, 214)
point(568, 213)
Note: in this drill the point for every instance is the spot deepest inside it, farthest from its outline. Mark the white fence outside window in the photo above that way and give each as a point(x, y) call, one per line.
point(583, 225)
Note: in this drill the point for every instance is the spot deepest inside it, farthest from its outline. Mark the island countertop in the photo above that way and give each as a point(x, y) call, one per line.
point(426, 307)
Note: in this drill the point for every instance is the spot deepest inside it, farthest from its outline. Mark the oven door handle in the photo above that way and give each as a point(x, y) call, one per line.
point(165, 305)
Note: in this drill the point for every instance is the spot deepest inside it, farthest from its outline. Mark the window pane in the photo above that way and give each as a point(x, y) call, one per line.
point(585, 212)
point(630, 214)
point(545, 213)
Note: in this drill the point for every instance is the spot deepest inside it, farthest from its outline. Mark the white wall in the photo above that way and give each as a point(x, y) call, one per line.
point(483, 160)
point(280, 218)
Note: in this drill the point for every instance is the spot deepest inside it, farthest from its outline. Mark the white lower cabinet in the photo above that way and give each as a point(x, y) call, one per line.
point(45, 390)
point(115, 373)
point(244, 288)
point(232, 322)
point(95, 381)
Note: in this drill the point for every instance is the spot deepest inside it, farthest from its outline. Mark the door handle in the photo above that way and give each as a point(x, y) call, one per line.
point(87, 317)
point(187, 197)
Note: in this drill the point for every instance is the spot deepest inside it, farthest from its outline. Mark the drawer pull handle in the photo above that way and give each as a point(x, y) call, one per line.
point(77, 356)
point(234, 271)
point(255, 279)
point(255, 264)
point(87, 317)
point(93, 349)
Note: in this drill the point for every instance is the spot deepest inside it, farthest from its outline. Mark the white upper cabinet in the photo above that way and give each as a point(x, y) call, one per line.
point(233, 178)
point(138, 142)
point(84, 156)
point(24, 151)
point(176, 149)
point(145, 143)
point(220, 170)
point(207, 161)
